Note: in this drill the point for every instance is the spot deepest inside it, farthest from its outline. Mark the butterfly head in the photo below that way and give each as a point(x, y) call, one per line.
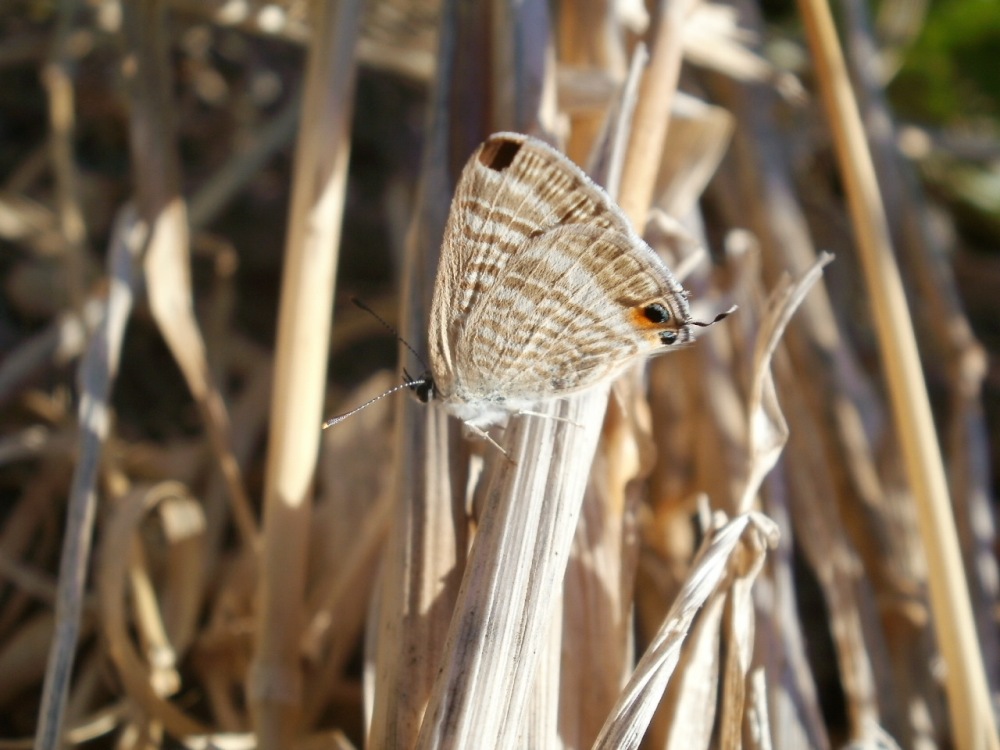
point(668, 322)
point(664, 322)
point(422, 387)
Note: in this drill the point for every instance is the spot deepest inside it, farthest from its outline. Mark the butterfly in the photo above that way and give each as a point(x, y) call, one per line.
point(543, 290)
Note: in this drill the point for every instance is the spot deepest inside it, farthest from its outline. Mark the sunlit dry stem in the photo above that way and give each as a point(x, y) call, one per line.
point(965, 679)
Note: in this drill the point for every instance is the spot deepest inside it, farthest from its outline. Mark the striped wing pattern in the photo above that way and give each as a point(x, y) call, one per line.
point(541, 283)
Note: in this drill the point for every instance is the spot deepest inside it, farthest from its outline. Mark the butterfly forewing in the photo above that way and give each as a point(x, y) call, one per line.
point(542, 282)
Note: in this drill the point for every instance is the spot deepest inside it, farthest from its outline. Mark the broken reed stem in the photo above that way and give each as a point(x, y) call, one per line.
point(965, 680)
point(311, 254)
point(652, 112)
point(156, 166)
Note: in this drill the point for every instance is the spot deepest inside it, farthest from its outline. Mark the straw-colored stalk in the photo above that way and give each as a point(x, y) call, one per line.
point(311, 252)
point(972, 717)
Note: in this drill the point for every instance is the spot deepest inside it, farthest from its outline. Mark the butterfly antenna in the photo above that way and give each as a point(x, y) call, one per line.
point(341, 417)
point(389, 328)
point(716, 319)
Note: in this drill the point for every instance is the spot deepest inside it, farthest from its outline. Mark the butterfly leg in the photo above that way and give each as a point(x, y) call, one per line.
point(483, 434)
point(548, 416)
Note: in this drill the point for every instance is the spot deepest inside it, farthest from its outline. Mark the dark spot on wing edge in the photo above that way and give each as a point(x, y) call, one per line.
point(499, 154)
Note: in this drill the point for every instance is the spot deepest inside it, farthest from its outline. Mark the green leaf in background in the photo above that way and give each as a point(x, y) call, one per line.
point(951, 74)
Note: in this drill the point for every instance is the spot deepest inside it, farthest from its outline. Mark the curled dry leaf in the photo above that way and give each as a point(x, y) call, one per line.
point(768, 429)
point(148, 680)
point(711, 570)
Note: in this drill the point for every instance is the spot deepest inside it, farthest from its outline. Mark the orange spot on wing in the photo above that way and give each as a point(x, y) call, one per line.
point(639, 320)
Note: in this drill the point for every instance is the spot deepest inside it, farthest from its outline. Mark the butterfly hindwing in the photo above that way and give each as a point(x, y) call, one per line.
point(567, 313)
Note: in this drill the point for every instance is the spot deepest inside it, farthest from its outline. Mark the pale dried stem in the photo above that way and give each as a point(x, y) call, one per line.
point(759, 736)
point(969, 703)
point(337, 605)
point(598, 585)
point(944, 327)
point(652, 114)
point(427, 541)
point(541, 727)
point(768, 430)
point(424, 555)
point(304, 319)
point(511, 583)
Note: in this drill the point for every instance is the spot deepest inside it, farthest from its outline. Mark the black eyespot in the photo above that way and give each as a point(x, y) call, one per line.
point(498, 155)
point(656, 313)
point(668, 337)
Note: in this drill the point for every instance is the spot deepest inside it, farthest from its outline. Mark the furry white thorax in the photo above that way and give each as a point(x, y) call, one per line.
point(483, 414)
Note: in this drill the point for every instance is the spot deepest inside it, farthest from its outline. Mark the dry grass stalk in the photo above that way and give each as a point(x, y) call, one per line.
point(945, 330)
point(58, 79)
point(152, 676)
point(321, 160)
point(972, 717)
point(659, 83)
point(427, 541)
point(641, 697)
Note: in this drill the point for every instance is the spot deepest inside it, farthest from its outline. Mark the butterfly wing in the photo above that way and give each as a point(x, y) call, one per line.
point(572, 309)
point(543, 287)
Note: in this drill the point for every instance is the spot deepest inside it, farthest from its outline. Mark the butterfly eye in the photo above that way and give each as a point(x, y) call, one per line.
point(656, 313)
point(668, 337)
